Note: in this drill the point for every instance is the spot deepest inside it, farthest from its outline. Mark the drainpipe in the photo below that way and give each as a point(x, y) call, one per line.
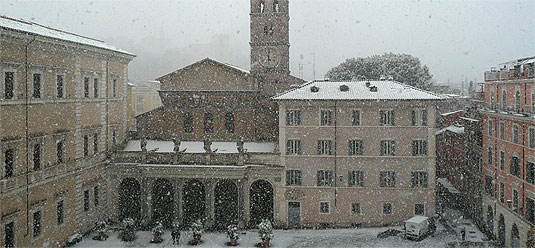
point(335, 156)
point(26, 103)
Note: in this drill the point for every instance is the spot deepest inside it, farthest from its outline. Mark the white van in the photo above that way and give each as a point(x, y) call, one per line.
point(416, 227)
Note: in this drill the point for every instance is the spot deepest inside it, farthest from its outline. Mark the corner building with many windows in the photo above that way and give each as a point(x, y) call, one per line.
point(509, 151)
point(62, 108)
point(356, 153)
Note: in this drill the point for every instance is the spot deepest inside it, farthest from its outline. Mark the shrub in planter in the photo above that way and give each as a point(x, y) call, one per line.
point(265, 229)
point(129, 232)
point(197, 229)
point(157, 233)
point(102, 231)
point(232, 234)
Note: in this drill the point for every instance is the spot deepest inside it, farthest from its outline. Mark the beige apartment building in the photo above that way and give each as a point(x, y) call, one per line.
point(62, 108)
point(356, 153)
point(144, 97)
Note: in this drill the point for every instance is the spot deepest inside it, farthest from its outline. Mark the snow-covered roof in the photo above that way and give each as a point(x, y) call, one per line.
point(198, 146)
point(417, 219)
point(446, 183)
point(452, 128)
point(356, 90)
point(38, 29)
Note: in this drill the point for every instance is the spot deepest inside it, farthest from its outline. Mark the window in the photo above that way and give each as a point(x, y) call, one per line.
point(86, 145)
point(419, 209)
point(59, 86)
point(489, 155)
point(488, 185)
point(419, 117)
point(387, 179)
point(95, 87)
point(419, 179)
point(275, 6)
point(59, 212)
point(387, 148)
point(86, 87)
point(9, 235)
point(324, 147)
point(262, 6)
point(517, 101)
point(114, 88)
point(86, 200)
point(502, 160)
point(208, 123)
point(139, 99)
point(355, 147)
point(188, 123)
point(491, 123)
point(293, 147)
point(36, 224)
point(325, 178)
point(530, 210)
point(515, 133)
point(114, 136)
point(36, 156)
point(504, 99)
point(229, 123)
point(386, 117)
point(387, 208)
point(355, 118)
point(502, 193)
point(96, 196)
point(515, 200)
point(419, 148)
point(9, 85)
point(515, 166)
point(95, 143)
point(324, 208)
point(530, 172)
point(36, 85)
point(355, 179)
point(326, 117)
point(293, 177)
point(355, 208)
point(293, 117)
point(531, 137)
point(139, 108)
point(60, 151)
point(9, 162)
point(502, 130)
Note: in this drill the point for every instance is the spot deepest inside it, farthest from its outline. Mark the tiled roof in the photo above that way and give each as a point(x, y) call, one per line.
point(357, 90)
point(38, 29)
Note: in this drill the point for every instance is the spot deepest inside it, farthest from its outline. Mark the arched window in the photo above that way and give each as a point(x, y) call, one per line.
point(276, 6)
point(229, 123)
point(208, 123)
point(504, 99)
point(262, 6)
point(188, 123)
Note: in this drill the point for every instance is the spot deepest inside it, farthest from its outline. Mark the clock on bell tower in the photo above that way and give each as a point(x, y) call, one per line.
point(269, 38)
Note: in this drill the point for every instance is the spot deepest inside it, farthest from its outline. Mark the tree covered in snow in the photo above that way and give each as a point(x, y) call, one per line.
point(403, 68)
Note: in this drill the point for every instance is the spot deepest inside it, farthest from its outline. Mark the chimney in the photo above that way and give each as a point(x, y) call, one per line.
point(314, 89)
point(373, 88)
point(344, 88)
point(368, 84)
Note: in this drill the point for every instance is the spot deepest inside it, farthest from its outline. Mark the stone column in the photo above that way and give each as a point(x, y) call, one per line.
point(179, 188)
point(246, 201)
point(241, 203)
point(209, 202)
point(146, 198)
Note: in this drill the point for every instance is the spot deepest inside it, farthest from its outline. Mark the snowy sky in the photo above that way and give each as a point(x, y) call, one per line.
point(456, 39)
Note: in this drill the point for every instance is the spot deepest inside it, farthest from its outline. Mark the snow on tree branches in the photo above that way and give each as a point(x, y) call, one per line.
point(403, 68)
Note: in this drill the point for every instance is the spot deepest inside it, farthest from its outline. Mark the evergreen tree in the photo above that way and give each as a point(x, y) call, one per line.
point(403, 68)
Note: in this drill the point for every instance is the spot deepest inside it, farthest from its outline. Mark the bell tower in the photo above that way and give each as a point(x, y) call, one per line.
point(270, 46)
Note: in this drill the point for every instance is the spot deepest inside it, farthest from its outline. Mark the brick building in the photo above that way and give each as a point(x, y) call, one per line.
point(459, 148)
point(356, 153)
point(62, 107)
point(509, 150)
